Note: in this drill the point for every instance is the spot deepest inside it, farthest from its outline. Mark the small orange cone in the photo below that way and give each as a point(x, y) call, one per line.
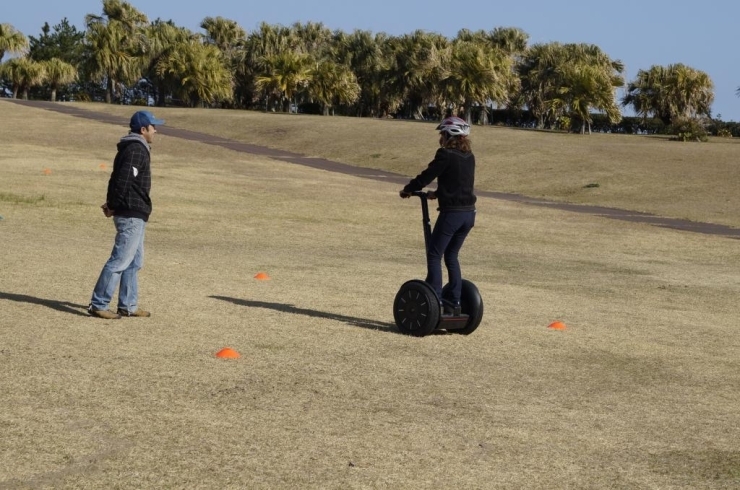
point(102, 166)
point(556, 326)
point(262, 276)
point(47, 171)
point(227, 353)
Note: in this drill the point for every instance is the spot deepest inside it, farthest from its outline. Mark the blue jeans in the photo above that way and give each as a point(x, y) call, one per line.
point(122, 267)
point(448, 236)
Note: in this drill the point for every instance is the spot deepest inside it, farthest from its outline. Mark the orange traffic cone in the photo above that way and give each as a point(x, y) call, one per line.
point(556, 326)
point(227, 353)
point(262, 276)
point(47, 171)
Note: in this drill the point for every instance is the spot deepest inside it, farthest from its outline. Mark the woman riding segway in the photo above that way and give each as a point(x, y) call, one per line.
point(454, 169)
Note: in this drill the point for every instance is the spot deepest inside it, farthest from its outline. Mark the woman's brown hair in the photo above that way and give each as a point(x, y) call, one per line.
point(460, 143)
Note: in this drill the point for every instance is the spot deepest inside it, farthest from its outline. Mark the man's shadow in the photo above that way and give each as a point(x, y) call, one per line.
point(63, 306)
point(353, 321)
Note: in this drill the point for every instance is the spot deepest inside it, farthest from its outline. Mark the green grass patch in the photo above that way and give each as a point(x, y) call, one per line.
point(18, 199)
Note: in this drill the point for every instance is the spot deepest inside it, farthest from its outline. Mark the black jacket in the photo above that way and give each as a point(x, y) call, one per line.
point(131, 179)
point(455, 174)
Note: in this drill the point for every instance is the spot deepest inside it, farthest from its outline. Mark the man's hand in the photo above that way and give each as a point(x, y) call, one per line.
point(404, 194)
point(431, 195)
point(108, 212)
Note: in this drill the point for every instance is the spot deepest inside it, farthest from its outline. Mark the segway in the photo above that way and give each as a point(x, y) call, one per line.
point(416, 308)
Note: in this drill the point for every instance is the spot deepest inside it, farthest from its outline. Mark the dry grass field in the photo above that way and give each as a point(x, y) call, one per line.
point(641, 391)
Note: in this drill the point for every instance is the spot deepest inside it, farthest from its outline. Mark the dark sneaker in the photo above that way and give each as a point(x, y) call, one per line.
point(450, 308)
point(139, 313)
point(106, 314)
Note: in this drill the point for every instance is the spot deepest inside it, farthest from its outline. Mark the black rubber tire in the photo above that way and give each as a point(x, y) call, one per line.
point(471, 304)
point(416, 309)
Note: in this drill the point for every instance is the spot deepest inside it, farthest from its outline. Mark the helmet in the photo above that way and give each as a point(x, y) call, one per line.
point(454, 126)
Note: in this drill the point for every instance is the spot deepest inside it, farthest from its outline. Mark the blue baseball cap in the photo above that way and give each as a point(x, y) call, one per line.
point(142, 119)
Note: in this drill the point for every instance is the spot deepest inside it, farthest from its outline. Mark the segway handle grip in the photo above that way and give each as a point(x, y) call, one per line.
point(419, 193)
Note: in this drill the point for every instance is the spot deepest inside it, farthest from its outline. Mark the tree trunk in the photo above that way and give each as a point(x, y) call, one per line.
point(160, 94)
point(53, 95)
point(25, 94)
point(109, 91)
point(484, 116)
point(540, 118)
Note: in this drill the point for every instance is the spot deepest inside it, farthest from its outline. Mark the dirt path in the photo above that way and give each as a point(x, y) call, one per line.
point(328, 165)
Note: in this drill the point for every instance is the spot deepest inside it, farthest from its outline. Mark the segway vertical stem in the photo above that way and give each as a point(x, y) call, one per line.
point(426, 221)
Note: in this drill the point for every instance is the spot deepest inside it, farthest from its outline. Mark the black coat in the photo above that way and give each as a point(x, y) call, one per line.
point(131, 180)
point(455, 174)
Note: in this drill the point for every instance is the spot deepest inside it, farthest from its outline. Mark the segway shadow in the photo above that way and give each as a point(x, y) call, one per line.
point(416, 308)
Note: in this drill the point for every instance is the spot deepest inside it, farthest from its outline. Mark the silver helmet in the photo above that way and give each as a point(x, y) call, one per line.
point(454, 126)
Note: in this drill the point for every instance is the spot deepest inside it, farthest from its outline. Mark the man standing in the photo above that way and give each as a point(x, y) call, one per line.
point(129, 203)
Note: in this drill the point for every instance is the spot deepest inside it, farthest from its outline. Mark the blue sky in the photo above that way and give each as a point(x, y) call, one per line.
point(640, 33)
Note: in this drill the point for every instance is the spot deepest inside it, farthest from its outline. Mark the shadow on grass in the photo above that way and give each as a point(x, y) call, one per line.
point(353, 321)
point(63, 306)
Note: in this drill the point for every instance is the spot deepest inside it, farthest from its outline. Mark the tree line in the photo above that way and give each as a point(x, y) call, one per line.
point(123, 57)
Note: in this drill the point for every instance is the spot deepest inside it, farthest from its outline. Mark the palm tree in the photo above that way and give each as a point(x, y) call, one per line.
point(224, 33)
point(115, 42)
point(331, 80)
point(198, 72)
point(558, 77)
point(312, 38)
point(251, 59)
point(537, 71)
point(588, 80)
point(478, 75)
point(23, 73)
point(694, 92)
point(230, 39)
point(11, 40)
point(58, 73)
point(286, 73)
point(511, 40)
point(418, 66)
point(164, 39)
point(9, 74)
point(368, 57)
point(331, 84)
point(670, 93)
point(267, 41)
point(589, 87)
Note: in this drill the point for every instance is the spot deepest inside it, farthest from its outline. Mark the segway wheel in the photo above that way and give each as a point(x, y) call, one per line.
point(416, 309)
point(471, 304)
